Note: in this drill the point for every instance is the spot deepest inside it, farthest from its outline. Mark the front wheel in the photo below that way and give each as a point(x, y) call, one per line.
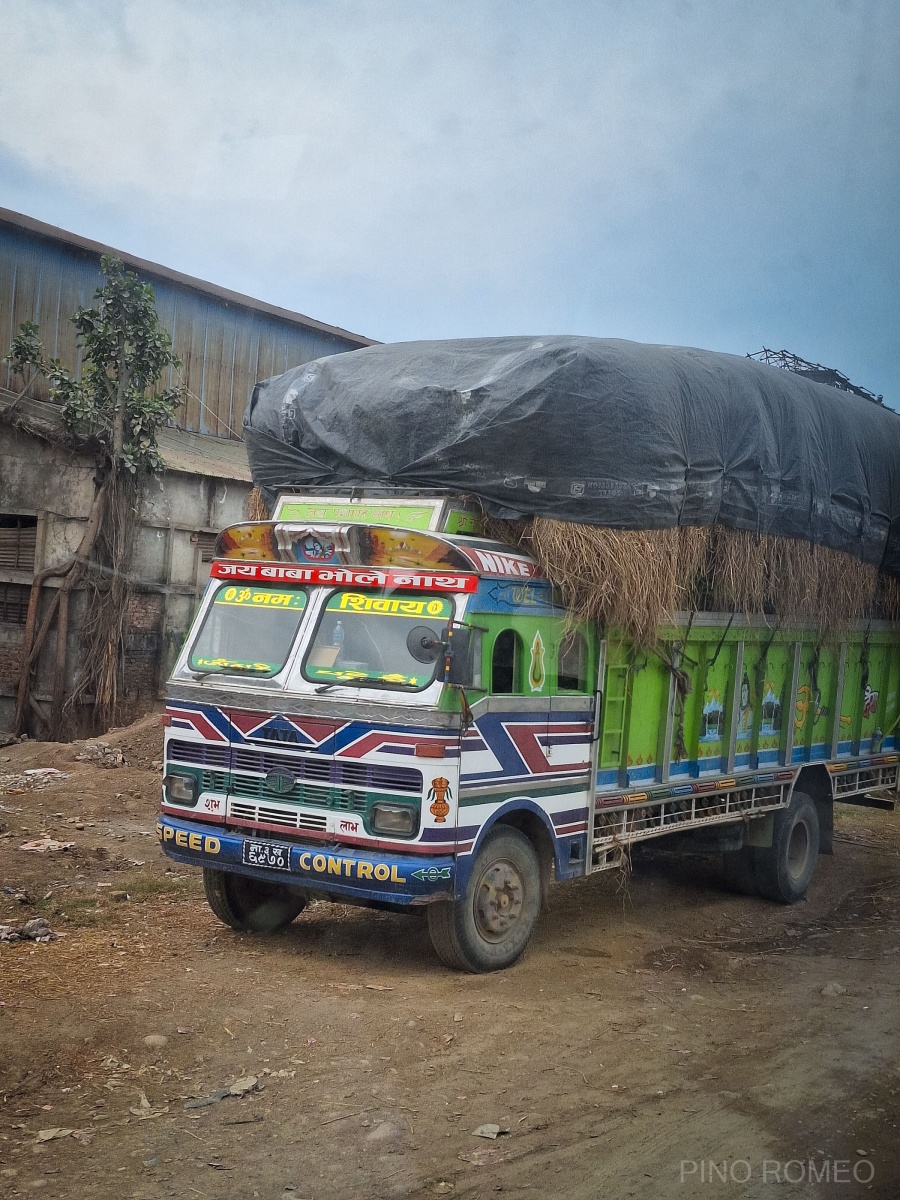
point(488, 928)
point(251, 905)
point(785, 869)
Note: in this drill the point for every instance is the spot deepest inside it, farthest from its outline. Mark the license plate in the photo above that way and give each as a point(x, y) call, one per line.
point(266, 854)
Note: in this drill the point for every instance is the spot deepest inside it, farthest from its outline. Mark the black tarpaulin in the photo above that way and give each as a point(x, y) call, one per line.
point(594, 430)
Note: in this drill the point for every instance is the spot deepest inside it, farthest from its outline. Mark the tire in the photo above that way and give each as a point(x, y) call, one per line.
point(251, 905)
point(785, 869)
point(489, 927)
point(740, 871)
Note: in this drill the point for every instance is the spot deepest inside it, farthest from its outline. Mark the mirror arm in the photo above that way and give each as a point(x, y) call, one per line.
point(468, 716)
point(466, 625)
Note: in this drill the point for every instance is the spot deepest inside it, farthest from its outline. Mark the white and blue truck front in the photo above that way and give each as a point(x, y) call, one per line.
point(328, 734)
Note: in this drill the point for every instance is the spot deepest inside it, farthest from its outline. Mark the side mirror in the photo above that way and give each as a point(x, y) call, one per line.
point(423, 645)
point(459, 666)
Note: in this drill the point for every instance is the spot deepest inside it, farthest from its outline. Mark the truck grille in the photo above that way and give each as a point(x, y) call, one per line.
point(340, 775)
point(270, 814)
point(202, 754)
point(318, 796)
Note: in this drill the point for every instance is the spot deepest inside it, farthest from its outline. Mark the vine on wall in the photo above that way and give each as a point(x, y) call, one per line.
point(114, 410)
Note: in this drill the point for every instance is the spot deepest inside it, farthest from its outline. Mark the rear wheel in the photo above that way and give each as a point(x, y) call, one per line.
point(785, 869)
point(740, 871)
point(488, 928)
point(251, 905)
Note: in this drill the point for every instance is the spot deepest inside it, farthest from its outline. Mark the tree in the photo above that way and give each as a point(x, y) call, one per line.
point(113, 410)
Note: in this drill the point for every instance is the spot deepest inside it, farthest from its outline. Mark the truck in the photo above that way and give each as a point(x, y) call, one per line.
point(378, 705)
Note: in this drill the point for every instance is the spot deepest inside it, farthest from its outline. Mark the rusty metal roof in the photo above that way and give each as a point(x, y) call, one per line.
point(201, 285)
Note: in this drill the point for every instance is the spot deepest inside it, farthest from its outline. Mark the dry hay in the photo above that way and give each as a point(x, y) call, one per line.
point(255, 507)
point(636, 580)
point(788, 577)
point(889, 597)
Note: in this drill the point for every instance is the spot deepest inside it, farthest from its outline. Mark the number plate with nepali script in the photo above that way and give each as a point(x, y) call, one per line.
point(266, 854)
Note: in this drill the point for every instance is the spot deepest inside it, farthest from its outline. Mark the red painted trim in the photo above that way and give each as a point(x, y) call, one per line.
point(192, 814)
point(566, 830)
point(322, 835)
point(504, 564)
point(414, 579)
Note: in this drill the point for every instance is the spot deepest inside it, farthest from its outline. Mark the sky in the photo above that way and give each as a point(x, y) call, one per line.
point(714, 173)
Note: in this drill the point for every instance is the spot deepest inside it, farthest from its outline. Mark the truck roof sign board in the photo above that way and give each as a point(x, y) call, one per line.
point(438, 514)
point(278, 573)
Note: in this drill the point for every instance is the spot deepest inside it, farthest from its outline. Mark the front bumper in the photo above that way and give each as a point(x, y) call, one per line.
point(356, 874)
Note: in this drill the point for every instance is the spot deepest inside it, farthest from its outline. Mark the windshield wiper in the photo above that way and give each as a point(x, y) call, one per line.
point(374, 681)
point(236, 669)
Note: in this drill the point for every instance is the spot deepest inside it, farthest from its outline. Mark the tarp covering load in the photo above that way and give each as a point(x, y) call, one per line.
point(594, 431)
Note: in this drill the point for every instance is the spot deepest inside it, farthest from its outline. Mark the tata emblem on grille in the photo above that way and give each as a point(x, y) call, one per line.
point(280, 781)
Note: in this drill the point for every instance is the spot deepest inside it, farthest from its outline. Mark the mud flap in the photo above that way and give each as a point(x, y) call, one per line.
point(761, 831)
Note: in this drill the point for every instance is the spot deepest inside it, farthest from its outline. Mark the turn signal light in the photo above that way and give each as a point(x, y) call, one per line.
point(429, 750)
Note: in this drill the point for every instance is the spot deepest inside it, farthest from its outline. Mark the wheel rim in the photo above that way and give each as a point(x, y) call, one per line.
point(798, 850)
point(499, 900)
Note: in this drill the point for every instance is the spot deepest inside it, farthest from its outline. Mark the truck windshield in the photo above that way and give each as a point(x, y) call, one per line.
point(365, 639)
point(248, 630)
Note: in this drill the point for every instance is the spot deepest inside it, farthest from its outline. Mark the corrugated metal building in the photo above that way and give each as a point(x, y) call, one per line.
point(226, 341)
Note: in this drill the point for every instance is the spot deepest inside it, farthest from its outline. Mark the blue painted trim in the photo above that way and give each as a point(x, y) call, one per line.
point(464, 862)
point(223, 851)
point(527, 598)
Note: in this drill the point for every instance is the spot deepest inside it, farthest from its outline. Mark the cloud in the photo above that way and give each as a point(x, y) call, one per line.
point(629, 167)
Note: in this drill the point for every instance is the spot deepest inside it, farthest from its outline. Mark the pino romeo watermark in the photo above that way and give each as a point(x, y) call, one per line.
point(769, 1170)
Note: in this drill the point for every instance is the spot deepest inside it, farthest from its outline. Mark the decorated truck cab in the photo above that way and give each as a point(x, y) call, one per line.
point(377, 705)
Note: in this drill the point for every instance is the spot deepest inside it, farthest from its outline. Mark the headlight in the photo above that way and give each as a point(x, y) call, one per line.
point(394, 818)
point(181, 789)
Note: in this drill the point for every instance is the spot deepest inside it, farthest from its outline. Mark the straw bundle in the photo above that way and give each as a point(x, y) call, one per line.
point(889, 597)
point(255, 506)
point(635, 579)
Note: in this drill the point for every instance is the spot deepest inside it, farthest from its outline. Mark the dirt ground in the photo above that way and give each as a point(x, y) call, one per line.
point(658, 1035)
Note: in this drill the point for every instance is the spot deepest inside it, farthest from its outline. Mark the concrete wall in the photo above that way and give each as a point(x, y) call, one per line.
point(57, 487)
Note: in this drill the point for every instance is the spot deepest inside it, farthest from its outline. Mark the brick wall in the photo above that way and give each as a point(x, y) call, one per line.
point(10, 656)
point(143, 649)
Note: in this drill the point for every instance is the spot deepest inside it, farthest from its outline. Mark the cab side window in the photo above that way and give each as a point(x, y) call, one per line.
point(506, 663)
point(571, 663)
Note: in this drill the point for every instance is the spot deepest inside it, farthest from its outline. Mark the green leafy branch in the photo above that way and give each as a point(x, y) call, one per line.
point(124, 352)
point(114, 405)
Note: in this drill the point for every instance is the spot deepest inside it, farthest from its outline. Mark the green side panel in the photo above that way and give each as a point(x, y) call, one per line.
point(713, 701)
point(891, 695)
point(721, 687)
point(776, 697)
point(821, 683)
point(873, 694)
point(813, 707)
point(540, 638)
point(851, 702)
point(649, 697)
point(730, 678)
